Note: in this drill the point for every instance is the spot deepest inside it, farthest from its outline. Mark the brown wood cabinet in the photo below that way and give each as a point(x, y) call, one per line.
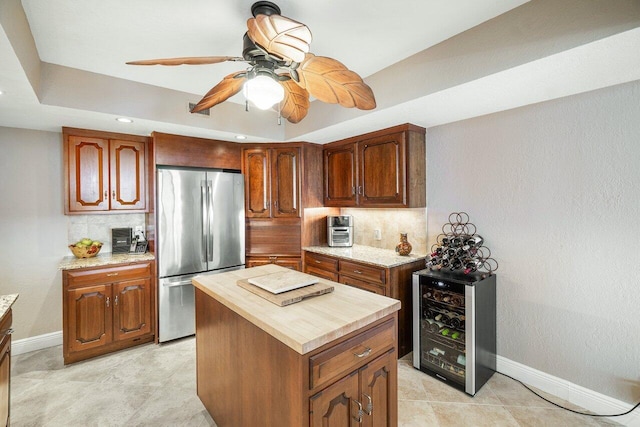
point(5, 367)
point(379, 169)
point(294, 263)
point(279, 183)
point(104, 172)
point(326, 386)
point(272, 182)
point(394, 282)
point(107, 309)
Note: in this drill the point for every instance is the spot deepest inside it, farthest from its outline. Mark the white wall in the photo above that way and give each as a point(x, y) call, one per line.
point(555, 190)
point(33, 228)
point(34, 232)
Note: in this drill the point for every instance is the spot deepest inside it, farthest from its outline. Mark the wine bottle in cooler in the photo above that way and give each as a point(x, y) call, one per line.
point(456, 320)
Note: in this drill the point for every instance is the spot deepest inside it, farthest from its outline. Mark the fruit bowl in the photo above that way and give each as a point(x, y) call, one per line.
point(86, 250)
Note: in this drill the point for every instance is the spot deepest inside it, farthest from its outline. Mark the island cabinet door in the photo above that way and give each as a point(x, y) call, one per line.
point(89, 321)
point(379, 391)
point(131, 308)
point(337, 405)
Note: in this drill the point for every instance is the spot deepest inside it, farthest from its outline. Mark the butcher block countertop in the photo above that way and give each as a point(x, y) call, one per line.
point(303, 326)
point(386, 258)
point(72, 263)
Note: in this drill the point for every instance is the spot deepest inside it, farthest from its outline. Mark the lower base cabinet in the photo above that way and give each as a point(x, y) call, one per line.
point(363, 397)
point(107, 309)
point(5, 367)
point(394, 282)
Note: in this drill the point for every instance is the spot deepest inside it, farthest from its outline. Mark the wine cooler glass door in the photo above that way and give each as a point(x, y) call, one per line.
point(442, 329)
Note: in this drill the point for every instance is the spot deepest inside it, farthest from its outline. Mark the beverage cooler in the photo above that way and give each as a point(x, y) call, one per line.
point(454, 327)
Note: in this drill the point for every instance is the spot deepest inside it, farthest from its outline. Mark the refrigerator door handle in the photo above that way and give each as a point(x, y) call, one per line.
point(205, 227)
point(210, 221)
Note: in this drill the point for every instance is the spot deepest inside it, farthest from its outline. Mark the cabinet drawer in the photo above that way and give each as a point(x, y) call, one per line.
point(363, 272)
point(329, 275)
point(321, 262)
point(361, 284)
point(113, 274)
point(344, 357)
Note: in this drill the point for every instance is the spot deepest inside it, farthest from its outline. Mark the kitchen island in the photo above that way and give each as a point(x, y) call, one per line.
point(327, 359)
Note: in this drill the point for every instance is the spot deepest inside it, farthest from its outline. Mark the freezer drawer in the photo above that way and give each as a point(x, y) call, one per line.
point(176, 306)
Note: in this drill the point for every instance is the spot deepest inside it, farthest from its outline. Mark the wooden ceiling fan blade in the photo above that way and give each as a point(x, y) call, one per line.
point(224, 90)
point(295, 105)
point(282, 37)
point(328, 80)
point(189, 60)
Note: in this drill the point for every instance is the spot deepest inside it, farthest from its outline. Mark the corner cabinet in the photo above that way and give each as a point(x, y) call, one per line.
point(394, 282)
point(106, 309)
point(380, 169)
point(104, 172)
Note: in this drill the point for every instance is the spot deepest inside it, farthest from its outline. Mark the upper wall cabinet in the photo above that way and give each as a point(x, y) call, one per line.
point(380, 169)
point(272, 182)
point(104, 172)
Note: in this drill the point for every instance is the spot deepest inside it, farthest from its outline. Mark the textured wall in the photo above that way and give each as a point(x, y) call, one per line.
point(555, 190)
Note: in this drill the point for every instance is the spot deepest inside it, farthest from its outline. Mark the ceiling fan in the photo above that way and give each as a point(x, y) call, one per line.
point(282, 73)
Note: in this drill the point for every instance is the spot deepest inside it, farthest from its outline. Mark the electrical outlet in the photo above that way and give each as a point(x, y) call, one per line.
point(377, 234)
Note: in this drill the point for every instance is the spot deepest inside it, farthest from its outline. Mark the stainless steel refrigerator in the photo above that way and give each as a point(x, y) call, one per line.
point(199, 229)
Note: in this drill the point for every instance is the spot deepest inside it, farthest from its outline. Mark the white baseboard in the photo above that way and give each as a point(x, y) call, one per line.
point(38, 342)
point(578, 395)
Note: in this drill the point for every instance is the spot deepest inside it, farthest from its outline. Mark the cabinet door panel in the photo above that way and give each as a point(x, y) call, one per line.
point(340, 176)
point(382, 170)
point(378, 391)
point(257, 188)
point(88, 162)
point(89, 319)
point(335, 406)
point(132, 308)
point(285, 182)
point(127, 160)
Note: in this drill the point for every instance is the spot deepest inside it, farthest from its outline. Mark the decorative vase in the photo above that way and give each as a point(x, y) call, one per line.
point(404, 247)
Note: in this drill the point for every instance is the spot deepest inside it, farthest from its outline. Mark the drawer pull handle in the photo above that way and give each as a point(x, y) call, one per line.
point(357, 271)
point(358, 417)
point(112, 274)
point(7, 332)
point(365, 353)
point(369, 407)
point(317, 262)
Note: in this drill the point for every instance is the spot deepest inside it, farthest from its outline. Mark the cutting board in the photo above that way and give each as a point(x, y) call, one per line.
point(283, 281)
point(289, 297)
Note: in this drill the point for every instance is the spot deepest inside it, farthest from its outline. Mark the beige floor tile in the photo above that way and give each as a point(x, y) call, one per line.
point(552, 417)
point(458, 414)
point(412, 413)
point(410, 384)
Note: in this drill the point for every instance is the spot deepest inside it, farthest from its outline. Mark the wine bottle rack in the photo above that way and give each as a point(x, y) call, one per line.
point(460, 249)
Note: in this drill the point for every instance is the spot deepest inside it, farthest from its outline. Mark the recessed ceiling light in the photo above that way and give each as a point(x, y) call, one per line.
point(241, 137)
point(1, 92)
point(124, 120)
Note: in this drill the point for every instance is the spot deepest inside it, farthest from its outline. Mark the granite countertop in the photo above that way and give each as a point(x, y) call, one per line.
point(369, 255)
point(305, 325)
point(72, 263)
point(6, 301)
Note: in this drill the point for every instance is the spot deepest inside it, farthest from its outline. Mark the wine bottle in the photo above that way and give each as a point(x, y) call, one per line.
point(455, 264)
point(446, 298)
point(457, 300)
point(471, 265)
point(457, 320)
point(474, 241)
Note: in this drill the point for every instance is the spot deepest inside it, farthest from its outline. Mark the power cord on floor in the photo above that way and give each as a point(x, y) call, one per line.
point(567, 409)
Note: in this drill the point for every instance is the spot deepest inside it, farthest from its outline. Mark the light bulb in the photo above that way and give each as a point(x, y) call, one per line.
point(263, 92)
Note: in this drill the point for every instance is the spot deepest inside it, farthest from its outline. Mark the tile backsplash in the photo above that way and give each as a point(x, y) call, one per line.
point(98, 227)
point(390, 222)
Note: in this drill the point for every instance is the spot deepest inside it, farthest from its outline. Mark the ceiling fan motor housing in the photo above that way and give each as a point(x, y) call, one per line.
point(264, 8)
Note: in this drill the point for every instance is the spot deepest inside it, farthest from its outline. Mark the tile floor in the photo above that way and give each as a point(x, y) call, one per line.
point(154, 385)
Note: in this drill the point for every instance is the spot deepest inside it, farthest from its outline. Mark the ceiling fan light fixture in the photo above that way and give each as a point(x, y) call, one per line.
point(263, 91)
